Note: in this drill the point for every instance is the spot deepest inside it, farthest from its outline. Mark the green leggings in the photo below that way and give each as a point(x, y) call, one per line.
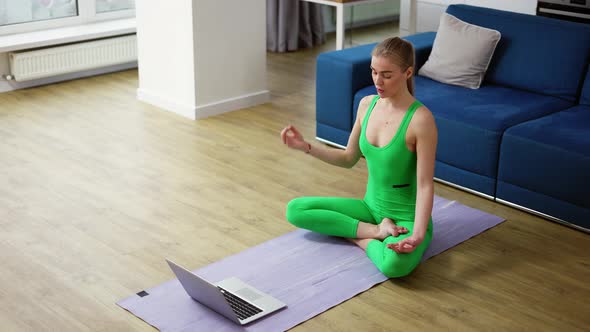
point(340, 217)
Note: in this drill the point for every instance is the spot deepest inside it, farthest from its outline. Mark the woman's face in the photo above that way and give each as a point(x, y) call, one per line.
point(388, 77)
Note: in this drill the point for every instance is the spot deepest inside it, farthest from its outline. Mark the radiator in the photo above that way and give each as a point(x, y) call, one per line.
point(52, 61)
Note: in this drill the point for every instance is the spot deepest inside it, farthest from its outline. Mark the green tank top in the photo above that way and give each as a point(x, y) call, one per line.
point(391, 184)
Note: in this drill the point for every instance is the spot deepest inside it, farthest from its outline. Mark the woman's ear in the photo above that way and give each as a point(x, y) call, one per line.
point(409, 72)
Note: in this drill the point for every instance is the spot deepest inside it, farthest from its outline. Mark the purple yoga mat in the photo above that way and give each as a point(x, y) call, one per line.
point(309, 272)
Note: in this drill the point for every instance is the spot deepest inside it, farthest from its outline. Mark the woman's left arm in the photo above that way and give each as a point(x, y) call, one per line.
point(426, 139)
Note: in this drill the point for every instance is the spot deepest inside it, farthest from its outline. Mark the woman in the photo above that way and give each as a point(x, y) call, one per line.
point(398, 137)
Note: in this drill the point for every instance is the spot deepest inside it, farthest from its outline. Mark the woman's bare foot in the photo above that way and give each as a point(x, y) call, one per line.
point(388, 228)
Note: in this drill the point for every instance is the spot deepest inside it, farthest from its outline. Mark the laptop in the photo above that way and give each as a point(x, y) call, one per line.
point(231, 297)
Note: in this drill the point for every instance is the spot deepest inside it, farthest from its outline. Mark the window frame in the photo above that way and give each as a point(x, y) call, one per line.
point(86, 15)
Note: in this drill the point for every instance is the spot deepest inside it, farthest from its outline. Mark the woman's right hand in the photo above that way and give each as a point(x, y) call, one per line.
point(388, 227)
point(293, 138)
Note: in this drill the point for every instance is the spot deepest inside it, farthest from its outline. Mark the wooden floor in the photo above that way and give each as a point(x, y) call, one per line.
point(97, 188)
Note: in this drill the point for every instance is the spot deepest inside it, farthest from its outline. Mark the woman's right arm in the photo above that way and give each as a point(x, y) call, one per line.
point(344, 158)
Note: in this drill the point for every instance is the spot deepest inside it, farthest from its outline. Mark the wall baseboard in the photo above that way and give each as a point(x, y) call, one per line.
point(194, 112)
point(6, 86)
point(232, 104)
point(186, 110)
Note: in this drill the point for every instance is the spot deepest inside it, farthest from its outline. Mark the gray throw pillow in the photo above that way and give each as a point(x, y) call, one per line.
point(461, 53)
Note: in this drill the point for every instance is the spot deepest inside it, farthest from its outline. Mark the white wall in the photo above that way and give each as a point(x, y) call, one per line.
point(4, 65)
point(165, 54)
point(519, 6)
point(230, 49)
point(407, 17)
point(429, 11)
point(201, 58)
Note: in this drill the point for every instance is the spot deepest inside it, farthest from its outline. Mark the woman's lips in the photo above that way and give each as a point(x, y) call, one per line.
point(380, 90)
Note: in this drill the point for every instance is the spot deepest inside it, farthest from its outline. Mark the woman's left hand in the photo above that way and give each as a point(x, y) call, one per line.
point(406, 245)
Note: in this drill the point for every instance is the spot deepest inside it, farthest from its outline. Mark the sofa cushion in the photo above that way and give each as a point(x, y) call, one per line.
point(461, 53)
point(550, 156)
point(475, 120)
point(538, 54)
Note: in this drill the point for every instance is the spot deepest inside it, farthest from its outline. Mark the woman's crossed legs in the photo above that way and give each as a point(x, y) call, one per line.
point(351, 218)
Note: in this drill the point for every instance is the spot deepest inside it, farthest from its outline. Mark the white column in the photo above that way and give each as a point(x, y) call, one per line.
point(202, 58)
point(165, 55)
point(339, 26)
point(230, 49)
point(407, 17)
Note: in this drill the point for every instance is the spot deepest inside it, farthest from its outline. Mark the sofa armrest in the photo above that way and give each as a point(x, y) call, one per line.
point(339, 74)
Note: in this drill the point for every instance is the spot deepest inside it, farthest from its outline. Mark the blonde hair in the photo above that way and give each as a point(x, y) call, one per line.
point(400, 52)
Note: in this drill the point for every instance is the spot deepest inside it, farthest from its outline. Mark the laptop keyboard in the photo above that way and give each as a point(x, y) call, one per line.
point(242, 308)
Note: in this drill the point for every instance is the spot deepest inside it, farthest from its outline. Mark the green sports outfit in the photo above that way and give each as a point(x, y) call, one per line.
point(391, 192)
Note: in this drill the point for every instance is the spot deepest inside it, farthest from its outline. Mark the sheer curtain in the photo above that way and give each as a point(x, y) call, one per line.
point(293, 24)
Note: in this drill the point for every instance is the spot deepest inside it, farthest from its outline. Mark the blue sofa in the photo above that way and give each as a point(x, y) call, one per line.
point(519, 139)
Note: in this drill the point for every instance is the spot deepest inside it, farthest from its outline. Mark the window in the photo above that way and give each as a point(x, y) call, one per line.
point(104, 6)
point(17, 16)
point(19, 11)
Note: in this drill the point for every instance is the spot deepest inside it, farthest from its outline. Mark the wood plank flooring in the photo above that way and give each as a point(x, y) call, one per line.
point(96, 188)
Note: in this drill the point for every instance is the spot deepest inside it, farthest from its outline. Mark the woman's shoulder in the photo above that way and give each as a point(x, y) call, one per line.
point(367, 100)
point(422, 118)
point(364, 105)
point(422, 113)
